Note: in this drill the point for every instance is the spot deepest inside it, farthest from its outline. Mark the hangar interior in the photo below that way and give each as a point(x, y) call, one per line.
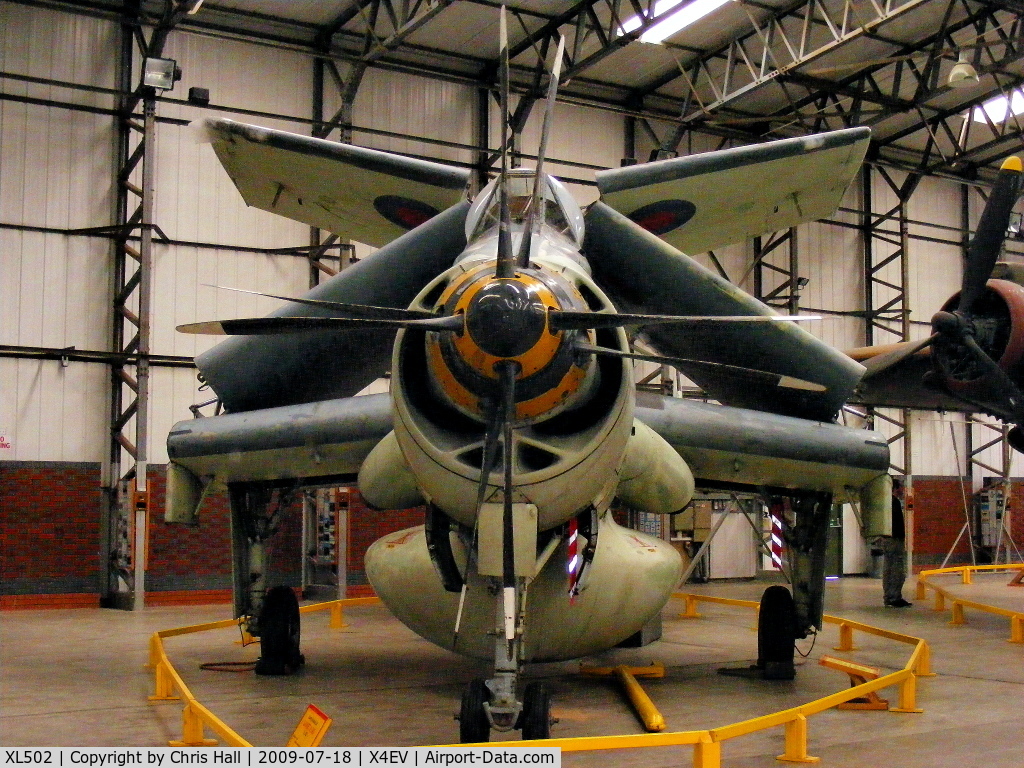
point(117, 224)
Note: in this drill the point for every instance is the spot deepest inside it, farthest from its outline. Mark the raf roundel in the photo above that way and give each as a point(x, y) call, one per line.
point(403, 211)
point(663, 216)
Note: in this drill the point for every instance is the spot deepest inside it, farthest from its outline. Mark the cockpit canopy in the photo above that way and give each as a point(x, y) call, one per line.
point(559, 209)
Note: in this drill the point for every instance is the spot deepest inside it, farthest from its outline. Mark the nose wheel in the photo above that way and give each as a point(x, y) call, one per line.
point(535, 719)
point(474, 725)
point(476, 718)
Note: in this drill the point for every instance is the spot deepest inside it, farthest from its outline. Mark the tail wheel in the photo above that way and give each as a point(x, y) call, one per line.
point(776, 634)
point(535, 718)
point(474, 727)
point(279, 633)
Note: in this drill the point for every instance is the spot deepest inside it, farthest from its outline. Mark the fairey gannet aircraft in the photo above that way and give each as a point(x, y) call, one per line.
point(513, 416)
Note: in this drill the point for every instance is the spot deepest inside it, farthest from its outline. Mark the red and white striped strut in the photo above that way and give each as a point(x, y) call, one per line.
point(775, 543)
point(573, 564)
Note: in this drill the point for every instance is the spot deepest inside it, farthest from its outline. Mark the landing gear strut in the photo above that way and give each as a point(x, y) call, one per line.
point(492, 704)
point(271, 615)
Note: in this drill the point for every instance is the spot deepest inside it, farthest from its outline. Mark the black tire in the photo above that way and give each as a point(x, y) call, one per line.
point(474, 727)
point(776, 634)
point(279, 627)
point(535, 718)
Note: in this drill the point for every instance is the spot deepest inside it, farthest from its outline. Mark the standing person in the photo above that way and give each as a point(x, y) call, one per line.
point(894, 553)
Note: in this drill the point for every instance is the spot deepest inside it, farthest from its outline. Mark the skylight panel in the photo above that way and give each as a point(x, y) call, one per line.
point(684, 17)
point(999, 109)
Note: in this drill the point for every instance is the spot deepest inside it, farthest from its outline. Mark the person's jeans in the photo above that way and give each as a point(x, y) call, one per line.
point(894, 569)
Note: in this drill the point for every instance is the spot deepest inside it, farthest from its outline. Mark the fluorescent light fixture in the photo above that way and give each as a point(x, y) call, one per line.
point(999, 108)
point(684, 17)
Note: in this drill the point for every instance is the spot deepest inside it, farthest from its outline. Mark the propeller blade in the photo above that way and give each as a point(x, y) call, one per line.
point(487, 461)
point(565, 321)
point(880, 363)
point(352, 310)
point(534, 214)
point(260, 326)
point(988, 240)
point(506, 262)
point(753, 374)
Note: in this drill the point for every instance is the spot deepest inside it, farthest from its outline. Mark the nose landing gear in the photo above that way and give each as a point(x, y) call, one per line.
point(477, 715)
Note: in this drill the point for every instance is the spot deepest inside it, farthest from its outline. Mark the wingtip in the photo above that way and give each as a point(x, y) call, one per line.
point(1012, 163)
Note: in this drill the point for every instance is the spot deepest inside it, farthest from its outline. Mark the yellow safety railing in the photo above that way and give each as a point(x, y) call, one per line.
point(195, 716)
point(958, 604)
point(707, 744)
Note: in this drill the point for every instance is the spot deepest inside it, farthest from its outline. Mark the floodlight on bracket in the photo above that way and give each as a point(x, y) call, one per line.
point(161, 74)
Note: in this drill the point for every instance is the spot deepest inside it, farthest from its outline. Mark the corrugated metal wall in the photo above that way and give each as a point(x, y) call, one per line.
point(57, 170)
point(55, 173)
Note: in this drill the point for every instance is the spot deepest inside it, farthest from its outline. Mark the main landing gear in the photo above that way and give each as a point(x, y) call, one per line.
point(785, 617)
point(270, 614)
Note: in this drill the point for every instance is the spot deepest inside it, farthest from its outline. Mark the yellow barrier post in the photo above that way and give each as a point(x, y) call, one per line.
point(908, 695)
point(965, 575)
point(921, 591)
point(163, 684)
point(691, 608)
point(940, 601)
point(1017, 629)
point(957, 614)
point(845, 638)
point(337, 617)
point(192, 730)
point(923, 667)
point(796, 742)
point(707, 753)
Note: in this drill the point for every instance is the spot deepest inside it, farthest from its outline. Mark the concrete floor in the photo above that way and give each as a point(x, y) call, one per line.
point(77, 678)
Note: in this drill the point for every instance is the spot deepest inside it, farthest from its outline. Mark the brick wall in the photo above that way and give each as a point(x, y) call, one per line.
point(938, 518)
point(184, 558)
point(366, 525)
point(50, 540)
point(49, 529)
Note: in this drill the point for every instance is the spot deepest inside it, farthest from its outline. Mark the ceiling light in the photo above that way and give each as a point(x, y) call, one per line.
point(684, 17)
point(963, 74)
point(999, 108)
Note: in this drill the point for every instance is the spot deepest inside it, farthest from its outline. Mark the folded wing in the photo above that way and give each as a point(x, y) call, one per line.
point(360, 193)
point(703, 201)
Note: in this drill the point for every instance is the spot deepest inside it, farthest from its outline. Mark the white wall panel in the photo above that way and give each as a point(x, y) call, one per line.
point(937, 443)
point(173, 390)
point(52, 412)
point(415, 106)
point(66, 47)
point(54, 290)
point(55, 166)
point(241, 75)
point(184, 276)
point(935, 267)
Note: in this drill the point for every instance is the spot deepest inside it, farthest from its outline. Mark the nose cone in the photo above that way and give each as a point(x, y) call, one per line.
point(506, 318)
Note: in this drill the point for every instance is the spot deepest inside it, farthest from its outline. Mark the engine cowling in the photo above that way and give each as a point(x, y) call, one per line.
point(574, 411)
point(998, 321)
